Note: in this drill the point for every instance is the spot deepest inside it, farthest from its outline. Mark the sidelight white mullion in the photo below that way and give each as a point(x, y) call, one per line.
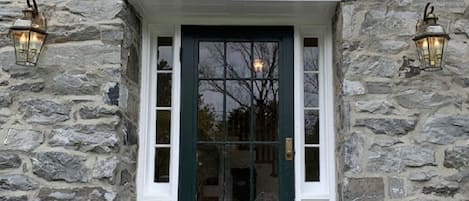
point(164, 71)
point(163, 108)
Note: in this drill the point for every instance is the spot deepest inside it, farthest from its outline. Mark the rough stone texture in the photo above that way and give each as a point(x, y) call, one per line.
point(457, 157)
point(388, 126)
point(446, 129)
point(9, 161)
point(76, 194)
point(395, 159)
point(95, 112)
point(379, 87)
point(17, 182)
point(105, 168)
point(420, 176)
point(44, 112)
point(22, 140)
point(353, 150)
point(70, 83)
point(364, 189)
point(352, 88)
point(375, 106)
point(56, 166)
point(58, 119)
point(15, 198)
point(441, 190)
point(423, 121)
point(5, 99)
point(396, 188)
point(95, 138)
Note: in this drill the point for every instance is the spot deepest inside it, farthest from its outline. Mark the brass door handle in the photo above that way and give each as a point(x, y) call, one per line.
point(289, 149)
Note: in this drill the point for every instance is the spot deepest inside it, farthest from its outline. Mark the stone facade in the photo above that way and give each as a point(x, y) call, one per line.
point(68, 126)
point(400, 138)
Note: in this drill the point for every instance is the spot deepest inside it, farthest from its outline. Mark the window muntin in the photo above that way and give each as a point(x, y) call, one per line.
point(311, 109)
point(163, 109)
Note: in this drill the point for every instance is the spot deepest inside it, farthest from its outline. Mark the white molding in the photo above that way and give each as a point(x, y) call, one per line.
point(148, 191)
point(325, 189)
point(144, 115)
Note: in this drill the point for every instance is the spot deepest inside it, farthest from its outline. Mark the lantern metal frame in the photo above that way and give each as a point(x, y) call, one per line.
point(431, 52)
point(29, 34)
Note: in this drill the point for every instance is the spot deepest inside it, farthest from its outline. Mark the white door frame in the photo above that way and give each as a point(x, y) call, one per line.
point(149, 191)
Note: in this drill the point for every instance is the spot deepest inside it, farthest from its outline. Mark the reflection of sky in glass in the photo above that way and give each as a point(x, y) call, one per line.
point(211, 59)
point(165, 54)
point(238, 57)
point(311, 85)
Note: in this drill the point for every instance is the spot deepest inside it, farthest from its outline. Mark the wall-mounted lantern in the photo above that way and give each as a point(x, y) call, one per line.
point(29, 34)
point(431, 40)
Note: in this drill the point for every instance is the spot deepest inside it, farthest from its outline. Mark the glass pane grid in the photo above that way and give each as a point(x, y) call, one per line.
point(311, 109)
point(163, 109)
point(237, 108)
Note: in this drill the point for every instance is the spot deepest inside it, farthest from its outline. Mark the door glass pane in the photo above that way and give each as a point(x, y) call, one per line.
point(210, 116)
point(312, 163)
point(311, 127)
point(311, 54)
point(311, 90)
point(266, 171)
point(164, 90)
point(238, 106)
point(238, 59)
point(163, 125)
point(238, 169)
point(265, 61)
point(162, 165)
point(211, 59)
point(265, 100)
point(209, 172)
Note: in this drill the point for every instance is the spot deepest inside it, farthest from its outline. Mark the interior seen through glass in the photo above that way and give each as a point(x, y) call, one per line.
point(237, 143)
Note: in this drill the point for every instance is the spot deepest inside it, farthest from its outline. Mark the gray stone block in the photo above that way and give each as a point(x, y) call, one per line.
point(396, 188)
point(76, 194)
point(58, 166)
point(22, 140)
point(446, 129)
point(94, 138)
point(457, 157)
point(17, 182)
point(8, 160)
point(390, 127)
point(44, 112)
point(364, 189)
point(105, 168)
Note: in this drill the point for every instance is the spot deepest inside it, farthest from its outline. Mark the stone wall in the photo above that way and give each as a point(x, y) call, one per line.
point(400, 138)
point(68, 126)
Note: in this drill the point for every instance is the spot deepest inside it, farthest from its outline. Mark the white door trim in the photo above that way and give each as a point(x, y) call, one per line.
point(149, 191)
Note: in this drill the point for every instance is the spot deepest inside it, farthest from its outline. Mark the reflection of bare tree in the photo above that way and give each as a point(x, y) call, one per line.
point(249, 94)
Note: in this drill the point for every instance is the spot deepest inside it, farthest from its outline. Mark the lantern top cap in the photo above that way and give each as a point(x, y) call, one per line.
point(31, 21)
point(429, 26)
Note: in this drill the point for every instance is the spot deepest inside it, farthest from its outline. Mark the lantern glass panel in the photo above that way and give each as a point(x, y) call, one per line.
point(35, 45)
point(28, 45)
point(436, 47)
point(424, 53)
point(21, 43)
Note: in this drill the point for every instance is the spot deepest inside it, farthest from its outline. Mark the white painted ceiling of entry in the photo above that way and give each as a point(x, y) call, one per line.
point(156, 11)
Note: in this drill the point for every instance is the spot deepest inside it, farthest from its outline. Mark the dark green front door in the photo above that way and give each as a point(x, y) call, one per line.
point(236, 113)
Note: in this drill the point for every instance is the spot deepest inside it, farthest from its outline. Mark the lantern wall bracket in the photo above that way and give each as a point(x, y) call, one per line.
point(408, 68)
